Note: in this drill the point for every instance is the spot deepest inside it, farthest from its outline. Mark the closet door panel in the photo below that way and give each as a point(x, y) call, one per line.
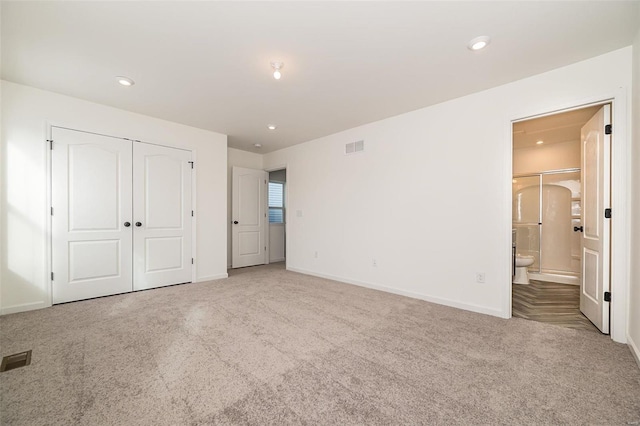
point(91, 199)
point(162, 212)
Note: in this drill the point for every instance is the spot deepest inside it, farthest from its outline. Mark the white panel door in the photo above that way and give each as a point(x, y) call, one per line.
point(248, 217)
point(596, 146)
point(162, 216)
point(91, 200)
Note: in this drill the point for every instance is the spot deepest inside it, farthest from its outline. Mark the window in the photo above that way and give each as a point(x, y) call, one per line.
point(276, 202)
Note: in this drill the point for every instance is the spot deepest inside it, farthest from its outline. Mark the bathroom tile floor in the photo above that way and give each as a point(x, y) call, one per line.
point(551, 303)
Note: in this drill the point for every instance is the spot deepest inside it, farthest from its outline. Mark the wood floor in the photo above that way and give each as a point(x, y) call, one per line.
point(549, 302)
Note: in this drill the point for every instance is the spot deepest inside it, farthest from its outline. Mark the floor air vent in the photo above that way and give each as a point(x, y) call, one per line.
point(11, 362)
point(353, 147)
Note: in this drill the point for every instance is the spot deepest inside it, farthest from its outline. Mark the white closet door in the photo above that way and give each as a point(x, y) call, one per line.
point(162, 216)
point(91, 200)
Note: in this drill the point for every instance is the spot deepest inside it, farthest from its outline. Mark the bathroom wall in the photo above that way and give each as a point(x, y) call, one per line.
point(542, 158)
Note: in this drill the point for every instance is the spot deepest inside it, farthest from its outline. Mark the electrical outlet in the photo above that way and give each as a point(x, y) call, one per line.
point(480, 277)
point(374, 263)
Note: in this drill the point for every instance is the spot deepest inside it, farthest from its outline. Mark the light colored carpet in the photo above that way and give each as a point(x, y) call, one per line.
point(267, 346)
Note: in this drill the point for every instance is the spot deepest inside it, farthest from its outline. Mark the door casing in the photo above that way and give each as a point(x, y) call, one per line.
point(620, 196)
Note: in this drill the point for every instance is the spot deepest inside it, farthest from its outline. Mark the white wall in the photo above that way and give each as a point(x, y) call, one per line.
point(536, 159)
point(634, 294)
point(237, 158)
point(429, 199)
point(26, 111)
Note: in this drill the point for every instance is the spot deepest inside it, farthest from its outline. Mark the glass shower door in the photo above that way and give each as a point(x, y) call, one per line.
point(561, 205)
point(527, 214)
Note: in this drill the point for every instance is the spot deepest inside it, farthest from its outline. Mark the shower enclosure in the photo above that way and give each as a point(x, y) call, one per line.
point(546, 209)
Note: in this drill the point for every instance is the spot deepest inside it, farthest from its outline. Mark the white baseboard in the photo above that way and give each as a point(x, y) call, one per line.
point(24, 307)
point(427, 298)
point(212, 277)
point(635, 349)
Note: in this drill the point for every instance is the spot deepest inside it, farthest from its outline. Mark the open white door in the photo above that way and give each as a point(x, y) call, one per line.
point(596, 177)
point(162, 216)
point(91, 222)
point(248, 217)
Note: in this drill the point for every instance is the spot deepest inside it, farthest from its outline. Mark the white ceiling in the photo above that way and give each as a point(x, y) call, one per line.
point(552, 129)
point(206, 64)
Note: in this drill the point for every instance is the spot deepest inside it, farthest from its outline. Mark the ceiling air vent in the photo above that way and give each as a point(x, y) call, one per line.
point(354, 147)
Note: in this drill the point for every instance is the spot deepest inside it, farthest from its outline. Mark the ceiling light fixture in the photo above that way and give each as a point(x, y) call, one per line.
point(277, 66)
point(539, 142)
point(479, 42)
point(125, 81)
point(272, 127)
point(257, 145)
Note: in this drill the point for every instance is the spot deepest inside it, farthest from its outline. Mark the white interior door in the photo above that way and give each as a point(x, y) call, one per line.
point(91, 201)
point(596, 149)
point(248, 217)
point(162, 216)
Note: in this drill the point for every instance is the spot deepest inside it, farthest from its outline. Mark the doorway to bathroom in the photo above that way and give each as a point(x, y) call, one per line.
point(560, 190)
point(276, 200)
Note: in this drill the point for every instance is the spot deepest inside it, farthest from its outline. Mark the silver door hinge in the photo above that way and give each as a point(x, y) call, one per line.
point(191, 213)
point(50, 144)
point(192, 260)
point(190, 162)
point(607, 213)
point(607, 129)
point(51, 211)
point(607, 296)
point(52, 276)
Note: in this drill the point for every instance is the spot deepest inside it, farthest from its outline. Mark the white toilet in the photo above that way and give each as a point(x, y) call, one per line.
point(522, 264)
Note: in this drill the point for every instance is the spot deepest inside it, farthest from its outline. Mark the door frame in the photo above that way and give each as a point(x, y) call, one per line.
point(620, 197)
point(48, 231)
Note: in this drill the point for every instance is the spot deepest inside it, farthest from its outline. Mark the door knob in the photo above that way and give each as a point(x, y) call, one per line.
point(138, 224)
point(235, 222)
point(578, 229)
point(127, 224)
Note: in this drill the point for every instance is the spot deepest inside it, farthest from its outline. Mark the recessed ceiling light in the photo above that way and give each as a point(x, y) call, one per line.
point(539, 142)
point(479, 42)
point(272, 127)
point(125, 81)
point(277, 66)
point(257, 145)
